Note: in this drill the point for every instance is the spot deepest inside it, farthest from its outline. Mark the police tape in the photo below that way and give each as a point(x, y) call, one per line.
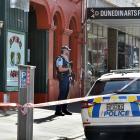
point(69, 101)
point(24, 108)
point(52, 103)
point(8, 105)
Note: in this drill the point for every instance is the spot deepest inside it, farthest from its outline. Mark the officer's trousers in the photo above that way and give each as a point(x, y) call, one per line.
point(63, 92)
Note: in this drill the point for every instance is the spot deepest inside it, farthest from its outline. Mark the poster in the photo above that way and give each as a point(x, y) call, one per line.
point(15, 56)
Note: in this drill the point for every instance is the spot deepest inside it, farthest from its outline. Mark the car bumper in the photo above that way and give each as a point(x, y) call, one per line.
point(118, 128)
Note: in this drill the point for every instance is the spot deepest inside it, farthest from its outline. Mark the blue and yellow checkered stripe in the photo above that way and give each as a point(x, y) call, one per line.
point(94, 110)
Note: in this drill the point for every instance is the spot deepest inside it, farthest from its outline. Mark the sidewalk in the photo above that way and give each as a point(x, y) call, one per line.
point(46, 126)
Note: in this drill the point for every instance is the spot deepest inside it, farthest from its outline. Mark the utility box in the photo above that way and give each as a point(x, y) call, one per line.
point(13, 44)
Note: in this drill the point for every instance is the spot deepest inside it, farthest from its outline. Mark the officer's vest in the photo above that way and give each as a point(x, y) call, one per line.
point(65, 65)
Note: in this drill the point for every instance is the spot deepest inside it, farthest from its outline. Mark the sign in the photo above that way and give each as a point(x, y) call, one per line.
point(23, 76)
point(116, 113)
point(20, 4)
point(15, 55)
point(113, 13)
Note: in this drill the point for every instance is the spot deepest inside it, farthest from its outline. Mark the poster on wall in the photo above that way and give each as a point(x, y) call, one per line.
point(15, 56)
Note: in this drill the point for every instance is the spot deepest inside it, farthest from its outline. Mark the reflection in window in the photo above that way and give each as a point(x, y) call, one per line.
point(97, 53)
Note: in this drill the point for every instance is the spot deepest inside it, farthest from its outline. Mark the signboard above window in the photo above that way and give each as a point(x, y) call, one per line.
point(113, 13)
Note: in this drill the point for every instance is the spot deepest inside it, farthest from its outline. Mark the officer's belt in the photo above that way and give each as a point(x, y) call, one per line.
point(63, 74)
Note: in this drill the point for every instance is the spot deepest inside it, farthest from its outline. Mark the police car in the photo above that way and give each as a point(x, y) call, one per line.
point(116, 106)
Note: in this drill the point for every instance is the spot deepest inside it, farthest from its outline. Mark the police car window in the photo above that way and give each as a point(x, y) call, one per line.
point(105, 87)
point(133, 88)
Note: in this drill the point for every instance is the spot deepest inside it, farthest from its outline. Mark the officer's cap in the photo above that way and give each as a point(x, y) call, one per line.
point(66, 48)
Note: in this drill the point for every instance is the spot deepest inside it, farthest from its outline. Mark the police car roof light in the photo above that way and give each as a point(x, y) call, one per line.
point(125, 70)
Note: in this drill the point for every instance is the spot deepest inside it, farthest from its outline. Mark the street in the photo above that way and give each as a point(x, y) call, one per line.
point(47, 126)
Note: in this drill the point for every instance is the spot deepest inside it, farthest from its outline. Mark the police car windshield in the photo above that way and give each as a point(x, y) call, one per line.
point(115, 85)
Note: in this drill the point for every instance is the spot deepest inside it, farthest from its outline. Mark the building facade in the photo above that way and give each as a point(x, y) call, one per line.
point(111, 43)
point(42, 31)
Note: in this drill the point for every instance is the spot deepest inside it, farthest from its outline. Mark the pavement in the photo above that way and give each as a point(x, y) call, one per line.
point(46, 125)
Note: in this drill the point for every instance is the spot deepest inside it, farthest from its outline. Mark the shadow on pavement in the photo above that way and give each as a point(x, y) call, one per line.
point(4, 113)
point(47, 119)
point(73, 107)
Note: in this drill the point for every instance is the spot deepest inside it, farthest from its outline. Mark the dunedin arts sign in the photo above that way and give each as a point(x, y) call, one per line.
point(114, 13)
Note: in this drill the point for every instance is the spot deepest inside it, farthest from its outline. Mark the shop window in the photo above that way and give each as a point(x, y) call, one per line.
point(90, 57)
point(131, 52)
point(121, 42)
point(90, 44)
point(130, 40)
point(100, 31)
point(98, 51)
point(105, 32)
point(121, 50)
point(95, 29)
point(128, 56)
point(127, 39)
point(121, 61)
point(136, 57)
point(134, 41)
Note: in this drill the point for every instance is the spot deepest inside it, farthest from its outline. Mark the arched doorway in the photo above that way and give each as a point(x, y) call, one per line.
point(57, 38)
point(73, 43)
point(38, 48)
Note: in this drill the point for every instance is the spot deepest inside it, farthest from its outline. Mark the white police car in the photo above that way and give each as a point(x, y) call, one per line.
point(118, 112)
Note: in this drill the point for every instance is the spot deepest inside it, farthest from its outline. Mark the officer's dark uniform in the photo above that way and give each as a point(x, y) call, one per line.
point(63, 78)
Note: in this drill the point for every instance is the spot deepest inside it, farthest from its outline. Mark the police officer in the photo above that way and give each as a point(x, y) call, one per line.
point(63, 74)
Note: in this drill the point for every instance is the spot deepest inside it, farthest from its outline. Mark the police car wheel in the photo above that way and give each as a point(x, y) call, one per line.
point(90, 135)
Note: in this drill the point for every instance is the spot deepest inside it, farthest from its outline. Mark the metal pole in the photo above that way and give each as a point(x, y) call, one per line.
point(85, 50)
point(26, 95)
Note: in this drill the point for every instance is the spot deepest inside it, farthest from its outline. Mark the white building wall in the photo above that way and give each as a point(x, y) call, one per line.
point(122, 3)
point(97, 3)
point(110, 3)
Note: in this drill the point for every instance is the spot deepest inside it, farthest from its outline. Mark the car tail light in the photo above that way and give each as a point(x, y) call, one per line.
point(138, 101)
point(85, 104)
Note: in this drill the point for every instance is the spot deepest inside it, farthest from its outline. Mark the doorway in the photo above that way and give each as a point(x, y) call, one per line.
point(37, 54)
